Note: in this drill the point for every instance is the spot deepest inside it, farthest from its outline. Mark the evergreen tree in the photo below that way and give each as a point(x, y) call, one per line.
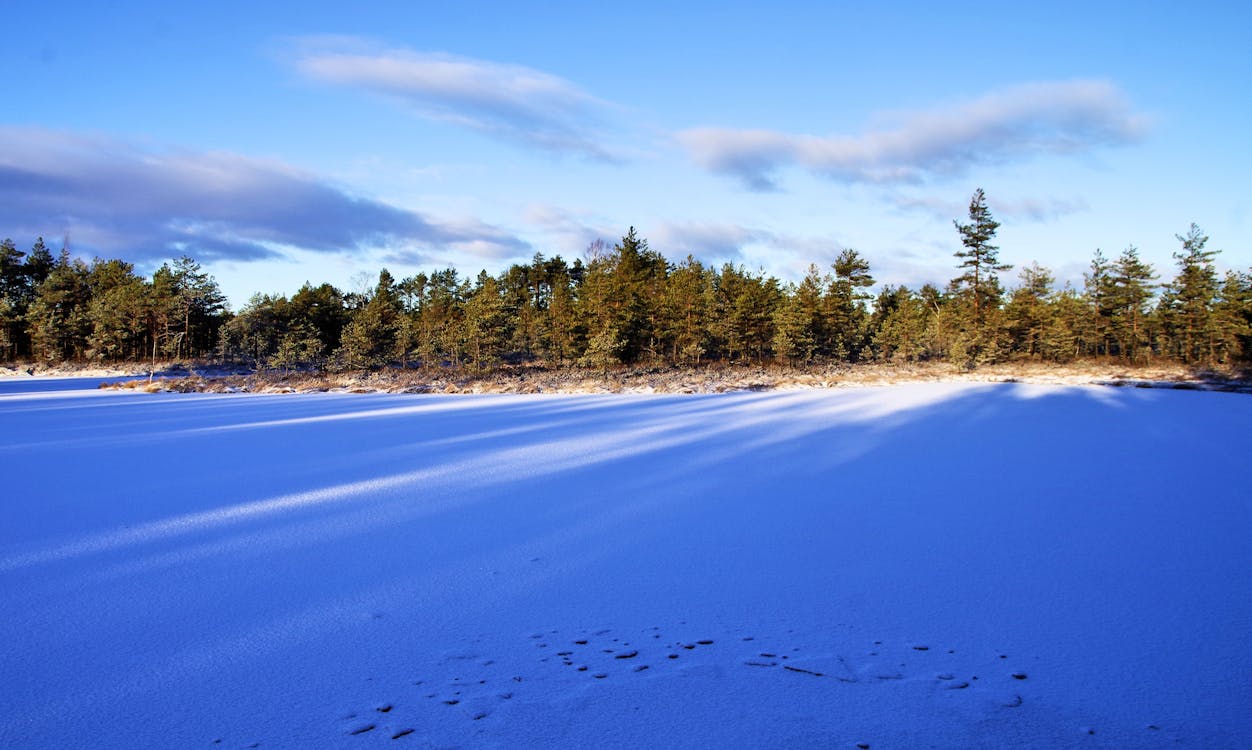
point(974, 329)
point(1232, 318)
point(1131, 288)
point(846, 316)
point(117, 311)
point(620, 302)
point(486, 330)
point(320, 308)
point(558, 325)
point(369, 340)
point(745, 305)
point(1029, 312)
point(14, 299)
point(525, 296)
point(1097, 324)
point(980, 258)
point(39, 264)
point(299, 346)
point(686, 307)
point(800, 320)
point(58, 316)
point(1062, 340)
point(257, 331)
point(1187, 306)
point(439, 319)
point(193, 308)
point(898, 327)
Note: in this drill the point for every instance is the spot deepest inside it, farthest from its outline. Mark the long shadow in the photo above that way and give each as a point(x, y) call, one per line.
point(1057, 521)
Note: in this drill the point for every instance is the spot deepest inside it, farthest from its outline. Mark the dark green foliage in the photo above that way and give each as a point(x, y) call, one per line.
point(744, 306)
point(486, 324)
point(118, 312)
point(1186, 307)
point(846, 316)
point(58, 318)
point(980, 259)
point(1029, 313)
point(899, 324)
point(321, 310)
point(1232, 318)
point(686, 312)
point(629, 305)
point(189, 308)
point(801, 321)
point(1131, 286)
point(975, 331)
point(372, 337)
point(620, 303)
point(15, 296)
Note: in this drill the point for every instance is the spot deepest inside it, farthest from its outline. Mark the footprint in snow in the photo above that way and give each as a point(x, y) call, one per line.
point(472, 683)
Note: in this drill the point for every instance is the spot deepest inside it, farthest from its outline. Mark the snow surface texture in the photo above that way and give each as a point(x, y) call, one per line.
point(928, 565)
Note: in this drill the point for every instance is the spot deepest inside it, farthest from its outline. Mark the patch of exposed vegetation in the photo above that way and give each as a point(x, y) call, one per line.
point(677, 379)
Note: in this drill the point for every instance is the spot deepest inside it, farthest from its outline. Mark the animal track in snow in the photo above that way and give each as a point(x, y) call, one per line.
point(469, 687)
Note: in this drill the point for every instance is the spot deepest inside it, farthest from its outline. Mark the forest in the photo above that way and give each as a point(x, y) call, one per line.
point(628, 305)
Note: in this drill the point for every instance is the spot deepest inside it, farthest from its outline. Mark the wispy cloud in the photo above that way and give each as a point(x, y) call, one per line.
point(115, 197)
point(1016, 123)
point(1032, 209)
point(708, 241)
point(513, 102)
point(570, 232)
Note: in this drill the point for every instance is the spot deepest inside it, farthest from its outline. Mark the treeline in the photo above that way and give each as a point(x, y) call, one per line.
point(64, 310)
point(627, 304)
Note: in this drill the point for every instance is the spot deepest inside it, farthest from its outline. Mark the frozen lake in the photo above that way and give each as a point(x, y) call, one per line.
point(925, 565)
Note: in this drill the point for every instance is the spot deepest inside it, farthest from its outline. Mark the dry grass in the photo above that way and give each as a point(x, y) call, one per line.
point(711, 379)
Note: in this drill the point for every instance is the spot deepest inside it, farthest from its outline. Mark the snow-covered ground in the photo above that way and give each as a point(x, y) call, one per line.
point(926, 565)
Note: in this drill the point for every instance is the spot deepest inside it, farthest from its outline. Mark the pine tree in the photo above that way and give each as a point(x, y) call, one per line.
point(438, 329)
point(58, 317)
point(39, 264)
point(1232, 317)
point(745, 304)
point(974, 329)
point(194, 307)
point(1029, 311)
point(980, 258)
point(558, 334)
point(686, 306)
point(1098, 285)
point(899, 325)
point(370, 338)
point(14, 298)
point(1061, 340)
point(1131, 288)
point(299, 346)
point(620, 301)
point(1187, 306)
point(800, 320)
point(846, 316)
point(118, 311)
point(320, 308)
point(485, 323)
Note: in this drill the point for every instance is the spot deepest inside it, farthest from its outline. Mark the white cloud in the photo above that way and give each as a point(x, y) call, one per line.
point(115, 197)
point(1015, 123)
point(707, 241)
point(1032, 209)
point(508, 101)
point(571, 232)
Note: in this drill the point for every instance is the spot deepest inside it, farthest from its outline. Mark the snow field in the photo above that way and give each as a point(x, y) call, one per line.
point(927, 565)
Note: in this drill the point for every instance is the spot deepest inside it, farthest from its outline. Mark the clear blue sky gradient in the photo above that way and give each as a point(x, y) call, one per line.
point(284, 142)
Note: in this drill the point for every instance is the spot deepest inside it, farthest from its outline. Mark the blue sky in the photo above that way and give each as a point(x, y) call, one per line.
point(284, 142)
